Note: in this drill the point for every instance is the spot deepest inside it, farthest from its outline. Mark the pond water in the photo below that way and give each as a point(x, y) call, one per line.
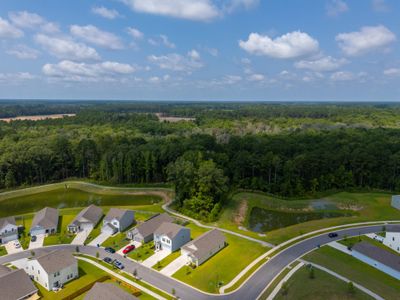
point(263, 220)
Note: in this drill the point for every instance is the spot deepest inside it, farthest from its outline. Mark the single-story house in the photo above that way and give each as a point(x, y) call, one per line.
point(170, 236)
point(203, 247)
point(54, 269)
point(144, 233)
point(117, 220)
point(379, 258)
point(392, 239)
point(396, 201)
point(15, 284)
point(45, 221)
point(87, 219)
point(106, 291)
point(8, 230)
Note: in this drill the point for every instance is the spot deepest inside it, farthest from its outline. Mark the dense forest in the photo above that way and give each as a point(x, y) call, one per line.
point(312, 148)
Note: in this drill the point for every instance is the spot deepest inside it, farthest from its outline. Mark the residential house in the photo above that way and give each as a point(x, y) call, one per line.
point(117, 220)
point(107, 291)
point(392, 239)
point(396, 201)
point(15, 284)
point(54, 269)
point(86, 220)
point(8, 230)
point(171, 237)
point(203, 247)
point(379, 258)
point(45, 221)
point(144, 233)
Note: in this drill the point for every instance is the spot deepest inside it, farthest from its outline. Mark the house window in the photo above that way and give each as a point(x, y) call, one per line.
point(38, 271)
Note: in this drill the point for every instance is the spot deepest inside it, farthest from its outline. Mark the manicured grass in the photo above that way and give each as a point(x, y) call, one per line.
point(166, 261)
point(62, 236)
point(116, 241)
point(143, 252)
point(361, 273)
point(72, 194)
point(350, 242)
point(223, 266)
point(87, 274)
point(2, 251)
point(323, 287)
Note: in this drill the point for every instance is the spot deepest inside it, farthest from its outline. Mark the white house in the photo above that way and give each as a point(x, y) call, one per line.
point(45, 221)
point(171, 237)
point(378, 258)
point(15, 285)
point(396, 201)
point(87, 219)
point(54, 269)
point(144, 233)
point(117, 220)
point(392, 239)
point(8, 230)
point(203, 247)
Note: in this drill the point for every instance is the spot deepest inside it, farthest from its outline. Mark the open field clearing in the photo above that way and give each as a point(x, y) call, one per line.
point(37, 118)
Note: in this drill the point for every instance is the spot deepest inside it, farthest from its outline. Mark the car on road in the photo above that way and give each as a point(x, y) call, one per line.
point(108, 260)
point(128, 249)
point(333, 235)
point(110, 250)
point(118, 264)
point(33, 238)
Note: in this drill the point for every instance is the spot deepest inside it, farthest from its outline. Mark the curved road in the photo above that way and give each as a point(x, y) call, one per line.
point(251, 289)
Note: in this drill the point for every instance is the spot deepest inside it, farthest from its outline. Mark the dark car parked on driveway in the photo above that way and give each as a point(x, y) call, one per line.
point(110, 250)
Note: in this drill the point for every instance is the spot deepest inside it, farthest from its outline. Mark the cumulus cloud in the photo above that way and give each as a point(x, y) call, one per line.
point(15, 78)
point(92, 34)
point(135, 33)
point(347, 76)
point(336, 7)
point(392, 72)
point(369, 38)
point(9, 31)
point(28, 20)
point(177, 62)
point(104, 12)
point(256, 77)
point(161, 40)
point(23, 52)
point(323, 64)
point(291, 45)
point(65, 48)
point(73, 71)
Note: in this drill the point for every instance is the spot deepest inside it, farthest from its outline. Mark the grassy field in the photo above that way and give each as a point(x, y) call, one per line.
point(3, 251)
point(222, 267)
point(323, 287)
point(166, 261)
point(363, 207)
point(361, 273)
point(143, 252)
point(73, 194)
point(116, 241)
point(62, 236)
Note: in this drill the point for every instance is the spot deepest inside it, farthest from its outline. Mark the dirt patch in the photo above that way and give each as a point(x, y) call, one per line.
point(37, 118)
point(241, 213)
point(162, 118)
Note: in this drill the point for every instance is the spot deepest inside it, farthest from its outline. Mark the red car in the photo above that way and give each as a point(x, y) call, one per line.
point(128, 249)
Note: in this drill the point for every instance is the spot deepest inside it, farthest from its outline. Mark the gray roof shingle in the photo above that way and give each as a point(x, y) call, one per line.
point(16, 284)
point(201, 246)
point(169, 229)
point(107, 291)
point(150, 226)
point(56, 260)
point(5, 221)
point(115, 213)
point(46, 218)
point(90, 214)
point(380, 255)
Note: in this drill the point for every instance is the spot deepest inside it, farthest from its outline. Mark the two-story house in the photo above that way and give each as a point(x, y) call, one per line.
point(144, 233)
point(117, 220)
point(171, 237)
point(8, 230)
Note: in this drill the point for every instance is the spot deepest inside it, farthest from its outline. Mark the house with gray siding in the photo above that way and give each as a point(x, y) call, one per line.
point(396, 201)
point(144, 233)
point(8, 230)
point(107, 291)
point(87, 219)
point(171, 237)
point(117, 220)
point(203, 247)
point(378, 258)
point(392, 239)
point(45, 221)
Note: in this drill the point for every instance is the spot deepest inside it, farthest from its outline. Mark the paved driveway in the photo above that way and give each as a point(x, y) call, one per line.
point(100, 239)
point(38, 243)
point(134, 243)
point(81, 237)
point(174, 266)
point(156, 257)
point(11, 249)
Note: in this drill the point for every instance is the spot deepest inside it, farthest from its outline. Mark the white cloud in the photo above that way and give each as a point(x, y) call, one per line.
point(324, 64)
point(227, 80)
point(28, 20)
point(347, 76)
point(104, 12)
point(23, 52)
point(369, 38)
point(212, 51)
point(233, 5)
point(9, 31)
point(380, 6)
point(291, 45)
point(392, 72)
point(176, 62)
point(256, 77)
point(15, 78)
point(193, 54)
point(161, 40)
point(65, 48)
point(135, 33)
point(336, 7)
point(73, 71)
point(96, 36)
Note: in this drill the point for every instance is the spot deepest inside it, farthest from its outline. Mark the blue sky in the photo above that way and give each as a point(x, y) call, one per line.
point(345, 50)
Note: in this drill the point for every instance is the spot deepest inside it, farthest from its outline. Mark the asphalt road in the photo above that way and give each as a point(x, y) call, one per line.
point(250, 290)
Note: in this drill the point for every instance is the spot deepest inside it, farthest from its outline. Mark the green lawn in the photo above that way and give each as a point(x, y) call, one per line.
point(143, 252)
point(3, 251)
point(323, 287)
point(361, 273)
point(166, 261)
point(116, 241)
point(62, 236)
point(222, 267)
point(364, 207)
